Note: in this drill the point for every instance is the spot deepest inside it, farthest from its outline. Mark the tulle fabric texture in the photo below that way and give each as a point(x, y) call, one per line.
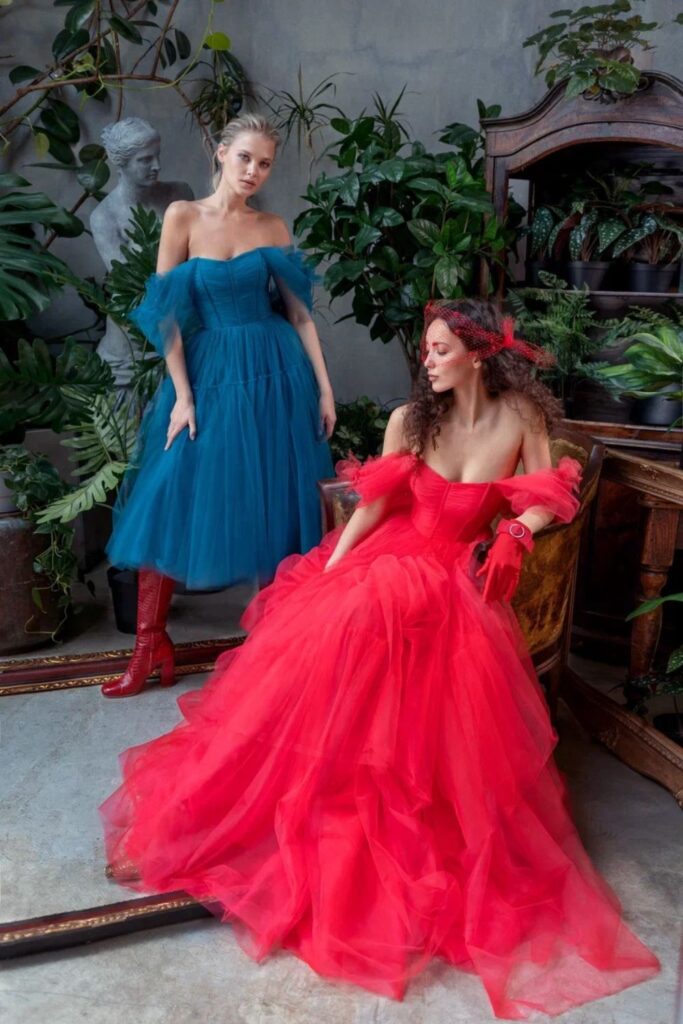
point(368, 781)
point(231, 504)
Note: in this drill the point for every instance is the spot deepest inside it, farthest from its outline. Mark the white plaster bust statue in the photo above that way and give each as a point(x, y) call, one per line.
point(133, 147)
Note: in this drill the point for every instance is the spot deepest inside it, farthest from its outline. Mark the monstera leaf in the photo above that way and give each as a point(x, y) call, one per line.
point(38, 388)
point(27, 271)
point(101, 449)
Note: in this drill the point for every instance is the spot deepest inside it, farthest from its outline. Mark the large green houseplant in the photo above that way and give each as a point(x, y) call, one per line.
point(651, 371)
point(72, 392)
point(590, 48)
point(398, 224)
point(102, 437)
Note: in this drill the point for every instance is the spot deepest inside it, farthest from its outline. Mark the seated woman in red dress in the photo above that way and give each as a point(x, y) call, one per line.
point(368, 781)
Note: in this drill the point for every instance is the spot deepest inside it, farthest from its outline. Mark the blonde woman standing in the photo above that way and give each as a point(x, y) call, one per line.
point(223, 484)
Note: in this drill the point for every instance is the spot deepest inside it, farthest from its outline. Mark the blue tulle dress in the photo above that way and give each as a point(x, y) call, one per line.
point(231, 504)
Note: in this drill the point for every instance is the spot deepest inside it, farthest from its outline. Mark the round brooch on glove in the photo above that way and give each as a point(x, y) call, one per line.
point(518, 531)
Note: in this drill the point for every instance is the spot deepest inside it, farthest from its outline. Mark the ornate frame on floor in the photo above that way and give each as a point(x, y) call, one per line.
point(77, 927)
point(68, 671)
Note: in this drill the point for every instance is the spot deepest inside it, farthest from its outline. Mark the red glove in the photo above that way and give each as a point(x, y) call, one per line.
point(503, 566)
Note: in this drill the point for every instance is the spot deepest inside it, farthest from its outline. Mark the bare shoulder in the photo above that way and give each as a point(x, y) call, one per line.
point(523, 411)
point(181, 211)
point(395, 433)
point(275, 228)
point(398, 415)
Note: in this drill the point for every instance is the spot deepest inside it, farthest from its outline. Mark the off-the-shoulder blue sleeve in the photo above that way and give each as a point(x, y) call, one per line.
point(288, 267)
point(168, 305)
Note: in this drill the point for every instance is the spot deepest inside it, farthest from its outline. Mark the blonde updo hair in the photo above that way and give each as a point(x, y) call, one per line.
point(245, 123)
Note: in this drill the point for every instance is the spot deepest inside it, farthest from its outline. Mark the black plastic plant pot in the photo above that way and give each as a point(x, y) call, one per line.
point(123, 584)
point(658, 411)
point(592, 273)
point(651, 277)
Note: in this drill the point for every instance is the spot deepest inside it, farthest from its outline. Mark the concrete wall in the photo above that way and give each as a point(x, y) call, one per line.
point(447, 54)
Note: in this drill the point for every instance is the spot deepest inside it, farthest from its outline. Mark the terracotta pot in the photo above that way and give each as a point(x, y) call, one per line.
point(23, 625)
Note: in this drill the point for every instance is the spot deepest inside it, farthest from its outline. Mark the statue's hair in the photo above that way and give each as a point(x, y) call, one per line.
point(122, 138)
point(244, 123)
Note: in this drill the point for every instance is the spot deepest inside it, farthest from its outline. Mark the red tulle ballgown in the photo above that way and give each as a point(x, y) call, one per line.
point(368, 781)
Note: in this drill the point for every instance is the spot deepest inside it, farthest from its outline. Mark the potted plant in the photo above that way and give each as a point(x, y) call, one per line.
point(653, 247)
point(580, 232)
point(397, 225)
point(590, 235)
point(561, 319)
point(39, 564)
point(590, 49)
point(102, 433)
point(652, 373)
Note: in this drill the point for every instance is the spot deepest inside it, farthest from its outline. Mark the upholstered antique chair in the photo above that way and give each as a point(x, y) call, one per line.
point(545, 598)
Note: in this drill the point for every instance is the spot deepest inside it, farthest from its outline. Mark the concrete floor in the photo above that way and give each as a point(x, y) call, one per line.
point(59, 753)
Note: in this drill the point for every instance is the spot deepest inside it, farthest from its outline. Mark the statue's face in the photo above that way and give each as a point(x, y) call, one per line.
point(143, 167)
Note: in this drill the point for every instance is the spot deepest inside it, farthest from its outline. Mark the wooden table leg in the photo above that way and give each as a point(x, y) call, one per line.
point(657, 555)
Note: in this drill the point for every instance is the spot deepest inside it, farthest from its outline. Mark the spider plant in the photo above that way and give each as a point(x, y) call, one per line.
point(302, 114)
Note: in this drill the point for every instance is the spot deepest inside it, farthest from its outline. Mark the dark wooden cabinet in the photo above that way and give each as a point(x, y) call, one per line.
point(556, 137)
point(631, 547)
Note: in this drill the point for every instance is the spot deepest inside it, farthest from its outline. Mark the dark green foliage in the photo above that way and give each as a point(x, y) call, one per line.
point(589, 48)
point(398, 225)
point(39, 389)
point(560, 319)
point(360, 429)
point(27, 272)
point(35, 483)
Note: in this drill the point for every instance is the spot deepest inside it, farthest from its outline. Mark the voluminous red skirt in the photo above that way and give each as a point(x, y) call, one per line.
point(369, 783)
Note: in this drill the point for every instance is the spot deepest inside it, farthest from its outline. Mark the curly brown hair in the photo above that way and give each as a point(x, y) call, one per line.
point(507, 374)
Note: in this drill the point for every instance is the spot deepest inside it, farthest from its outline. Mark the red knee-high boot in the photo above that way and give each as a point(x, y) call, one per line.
point(153, 648)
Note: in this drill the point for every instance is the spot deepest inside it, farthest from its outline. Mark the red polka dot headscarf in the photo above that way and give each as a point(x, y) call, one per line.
point(479, 340)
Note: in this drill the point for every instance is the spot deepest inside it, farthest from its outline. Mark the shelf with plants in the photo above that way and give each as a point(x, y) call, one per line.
point(609, 217)
point(605, 202)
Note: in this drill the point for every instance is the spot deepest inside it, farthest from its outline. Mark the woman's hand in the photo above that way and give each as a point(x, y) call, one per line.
point(502, 569)
point(328, 414)
point(182, 416)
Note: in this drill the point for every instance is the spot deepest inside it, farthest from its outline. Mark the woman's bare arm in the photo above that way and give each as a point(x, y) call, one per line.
point(302, 322)
point(365, 519)
point(535, 456)
point(173, 251)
